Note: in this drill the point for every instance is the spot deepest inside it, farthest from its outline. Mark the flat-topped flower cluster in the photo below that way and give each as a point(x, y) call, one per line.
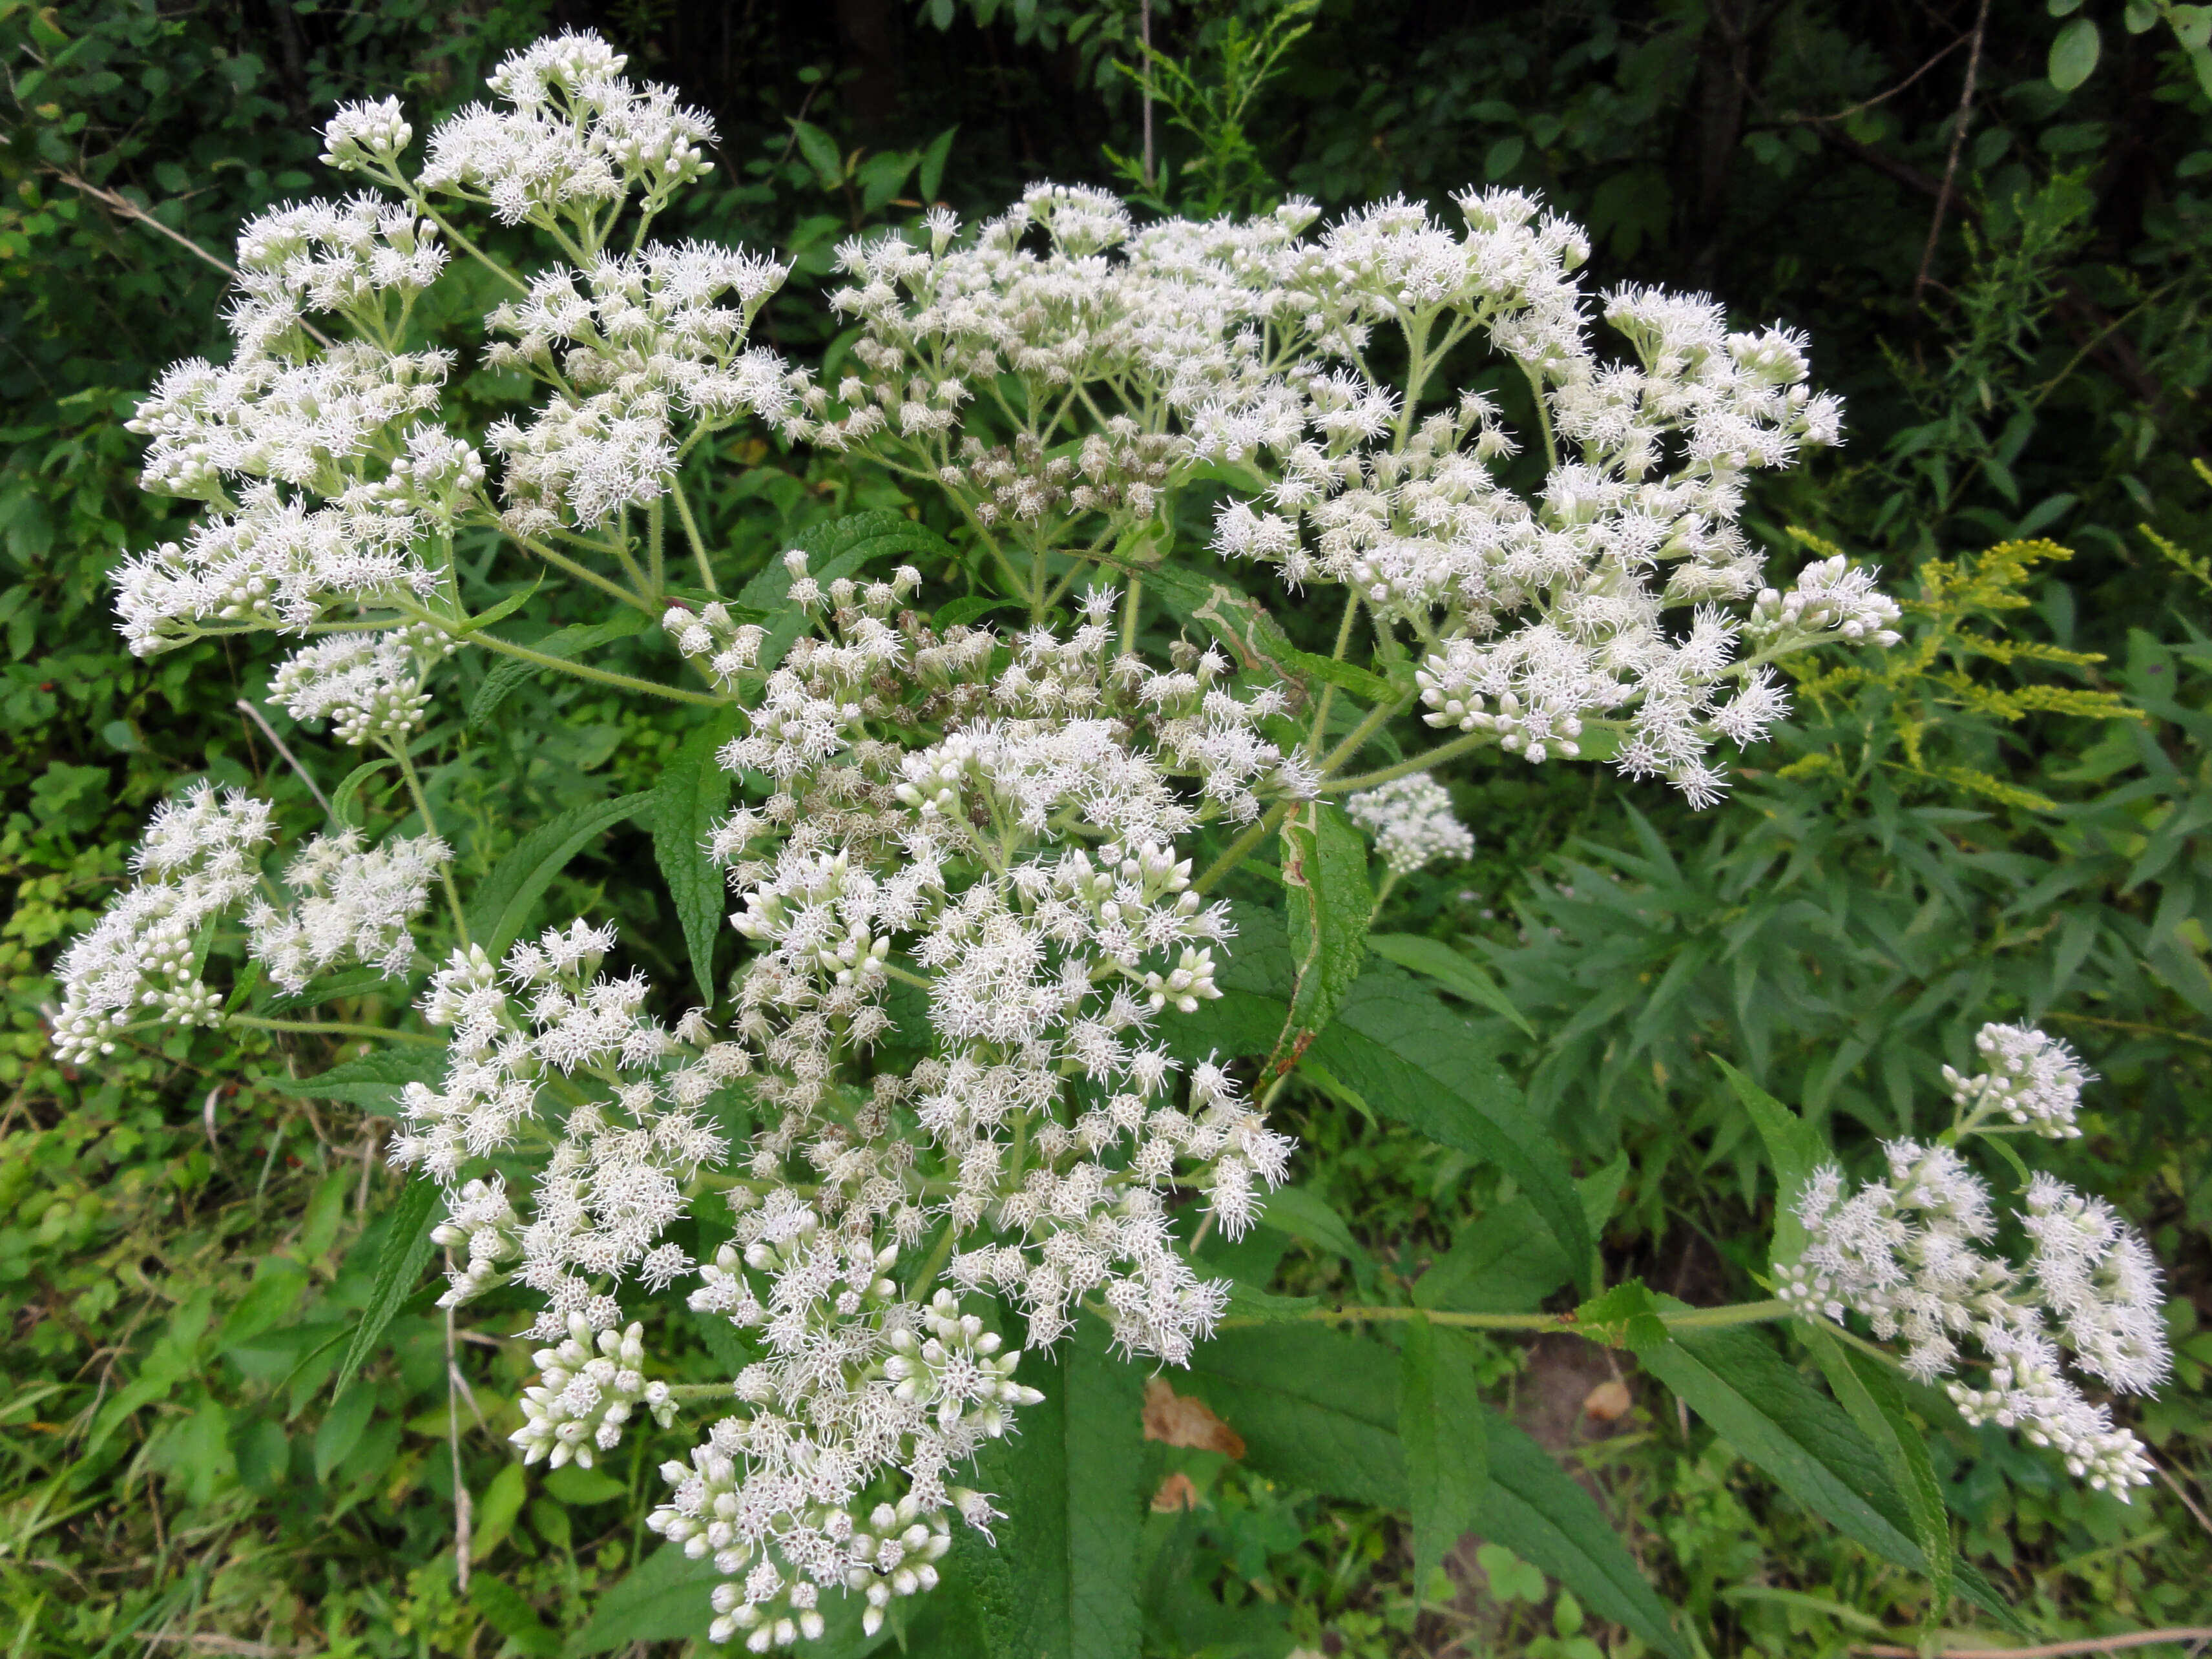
point(938, 1093)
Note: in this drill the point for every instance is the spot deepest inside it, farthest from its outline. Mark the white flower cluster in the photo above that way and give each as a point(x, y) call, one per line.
point(367, 686)
point(355, 906)
point(582, 1399)
point(1234, 342)
point(631, 343)
point(1412, 823)
point(482, 1226)
point(1912, 1254)
point(2034, 1079)
point(199, 858)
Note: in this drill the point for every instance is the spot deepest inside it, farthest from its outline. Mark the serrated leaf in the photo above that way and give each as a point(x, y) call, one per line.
point(1869, 1394)
point(1506, 1261)
point(1061, 1583)
point(1805, 1443)
point(1328, 903)
point(506, 1611)
point(693, 791)
point(2073, 53)
point(1794, 1147)
point(1303, 1213)
point(505, 675)
point(1457, 974)
point(503, 899)
point(407, 1247)
point(1249, 1304)
point(663, 1599)
point(371, 1082)
point(500, 612)
point(839, 548)
point(1317, 1409)
point(821, 152)
point(1412, 1058)
point(1440, 1426)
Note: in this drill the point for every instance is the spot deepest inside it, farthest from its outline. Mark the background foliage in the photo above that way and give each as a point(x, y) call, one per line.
point(2011, 288)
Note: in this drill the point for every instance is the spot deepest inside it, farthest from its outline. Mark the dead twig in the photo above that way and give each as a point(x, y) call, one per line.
point(1957, 143)
point(2138, 1638)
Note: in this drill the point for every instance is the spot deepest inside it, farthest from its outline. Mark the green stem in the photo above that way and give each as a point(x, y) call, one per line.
point(1328, 691)
point(453, 235)
point(656, 544)
point(399, 752)
point(1693, 1319)
point(582, 671)
point(691, 534)
point(686, 1391)
point(583, 573)
point(331, 1028)
point(1130, 602)
point(1406, 769)
point(1238, 850)
point(1356, 739)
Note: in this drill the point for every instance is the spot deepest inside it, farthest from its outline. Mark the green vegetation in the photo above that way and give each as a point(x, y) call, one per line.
point(1993, 223)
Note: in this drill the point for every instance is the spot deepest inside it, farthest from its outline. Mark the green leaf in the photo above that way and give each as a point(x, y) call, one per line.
point(371, 1082)
point(341, 798)
point(506, 1611)
point(839, 548)
point(1249, 1304)
point(693, 791)
point(576, 1486)
point(495, 1513)
point(342, 1427)
point(1506, 1261)
point(2073, 53)
point(1794, 1147)
point(1317, 1409)
point(1255, 640)
point(932, 163)
point(663, 1598)
point(821, 152)
point(1440, 1426)
point(407, 1247)
point(508, 673)
point(1541, 1513)
point(1454, 972)
point(503, 900)
point(1871, 1394)
point(1738, 1381)
point(1062, 1582)
point(1303, 1213)
point(500, 612)
point(1329, 903)
point(963, 611)
point(1412, 1058)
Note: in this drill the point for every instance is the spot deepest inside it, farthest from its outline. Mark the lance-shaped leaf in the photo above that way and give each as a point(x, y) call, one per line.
point(1440, 1425)
point(1062, 1582)
point(371, 1082)
point(1738, 1381)
point(1329, 904)
point(1318, 1409)
point(1794, 1147)
point(507, 673)
point(502, 902)
point(406, 1250)
point(693, 791)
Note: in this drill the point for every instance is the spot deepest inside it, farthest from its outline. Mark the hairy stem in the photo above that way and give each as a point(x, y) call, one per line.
point(1406, 769)
point(331, 1028)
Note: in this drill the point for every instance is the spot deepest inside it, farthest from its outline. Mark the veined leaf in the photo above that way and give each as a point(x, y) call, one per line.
point(836, 548)
point(1303, 1213)
point(1506, 1261)
point(693, 791)
point(1329, 904)
point(663, 1598)
point(1412, 1058)
point(501, 678)
point(1437, 961)
point(502, 903)
point(371, 1082)
point(1871, 1394)
point(1440, 1426)
point(1794, 1147)
point(1061, 1583)
point(1739, 1381)
point(968, 608)
point(406, 1249)
point(507, 1612)
point(1317, 1409)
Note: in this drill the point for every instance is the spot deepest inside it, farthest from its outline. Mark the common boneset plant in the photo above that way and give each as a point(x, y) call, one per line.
point(982, 841)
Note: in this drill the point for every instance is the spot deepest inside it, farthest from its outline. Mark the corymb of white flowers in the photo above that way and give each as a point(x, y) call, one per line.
point(977, 843)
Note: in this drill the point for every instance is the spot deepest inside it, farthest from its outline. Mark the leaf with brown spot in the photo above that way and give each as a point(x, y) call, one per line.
point(1175, 1493)
point(1177, 1420)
